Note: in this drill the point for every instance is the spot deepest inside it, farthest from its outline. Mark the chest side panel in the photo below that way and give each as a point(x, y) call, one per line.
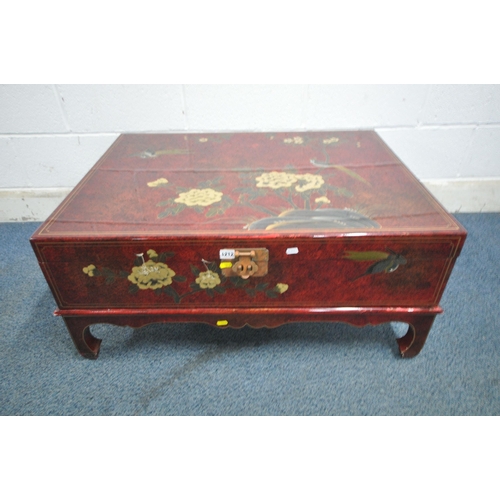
point(302, 272)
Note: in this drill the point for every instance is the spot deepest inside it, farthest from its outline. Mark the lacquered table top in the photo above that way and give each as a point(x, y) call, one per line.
point(245, 184)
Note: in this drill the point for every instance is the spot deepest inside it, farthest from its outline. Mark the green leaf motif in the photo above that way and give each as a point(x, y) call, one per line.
point(170, 291)
point(165, 255)
point(179, 279)
point(209, 183)
point(215, 211)
point(212, 266)
point(171, 211)
point(165, 203)
point(238, 282)
point(109, 276)
point(245, 189)
point(220, 207)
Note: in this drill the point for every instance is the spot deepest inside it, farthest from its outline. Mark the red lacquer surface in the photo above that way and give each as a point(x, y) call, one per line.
point(320, 274)
point(346, 225)
point(356, 172)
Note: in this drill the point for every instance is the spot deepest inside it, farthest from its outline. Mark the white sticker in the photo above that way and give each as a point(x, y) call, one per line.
point(292, 251)
point(226, 253)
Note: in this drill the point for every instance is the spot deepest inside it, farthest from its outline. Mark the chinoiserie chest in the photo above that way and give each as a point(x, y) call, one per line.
point(248, 228)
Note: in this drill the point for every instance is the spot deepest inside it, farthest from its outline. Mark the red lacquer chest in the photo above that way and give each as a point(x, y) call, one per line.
point(248, 228)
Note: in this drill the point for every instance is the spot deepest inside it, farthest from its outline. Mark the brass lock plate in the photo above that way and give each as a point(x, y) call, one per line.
point(244, 262)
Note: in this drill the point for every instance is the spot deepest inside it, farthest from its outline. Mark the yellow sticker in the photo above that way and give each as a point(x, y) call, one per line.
point(222, 322)
point(223, 265)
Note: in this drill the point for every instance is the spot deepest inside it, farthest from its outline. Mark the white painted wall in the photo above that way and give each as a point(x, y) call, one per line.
point(50, 135)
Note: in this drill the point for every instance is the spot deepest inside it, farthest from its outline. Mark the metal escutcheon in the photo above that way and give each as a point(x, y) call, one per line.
point(247, 262)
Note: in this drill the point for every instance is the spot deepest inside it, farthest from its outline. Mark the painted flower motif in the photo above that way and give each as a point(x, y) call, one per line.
point(331, 140)
point(276, 180)
point(199, 197)
point(293, 140)
point(89, 270)
point(322, 199)
point(281, 287)
point(203, 139)
point(208, 279)
point(311, 182)
point(152, 254)
point(158, 182)
point(151, 275)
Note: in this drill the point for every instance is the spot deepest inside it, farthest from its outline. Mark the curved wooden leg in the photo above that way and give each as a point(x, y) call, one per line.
point(79, 329)
point(411, 344)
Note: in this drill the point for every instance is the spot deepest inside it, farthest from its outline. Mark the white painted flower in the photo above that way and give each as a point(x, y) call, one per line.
point(322, 199)
point(294, 140)
point(208, 279)
point(199, 197)
point(276, 180)
point(89, 270)
point(311, 182)
point(281, 287)
point(202, 139)
point(158, 182)
point(151, 275)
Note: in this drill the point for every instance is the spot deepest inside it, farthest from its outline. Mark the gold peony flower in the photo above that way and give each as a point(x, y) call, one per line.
point(322, 199)
point(89, 270)
point(151, 275)
point(276, 180)
point(208, 279)
point(158, 182)
point(152, 254)
point(331, 140)
point(281, 287)
point(312, 182)
point(199, 197)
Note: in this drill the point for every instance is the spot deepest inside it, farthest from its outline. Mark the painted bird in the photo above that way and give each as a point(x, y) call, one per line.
point(321, 218)
point(387, 262)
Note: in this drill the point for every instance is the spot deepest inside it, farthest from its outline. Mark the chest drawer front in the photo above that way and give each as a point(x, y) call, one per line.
point(302, 272)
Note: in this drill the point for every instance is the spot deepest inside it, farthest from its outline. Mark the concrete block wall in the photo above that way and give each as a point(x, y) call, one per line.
point(50, 135)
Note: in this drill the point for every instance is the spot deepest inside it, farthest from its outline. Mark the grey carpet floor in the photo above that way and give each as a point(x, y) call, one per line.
point(297, 369)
